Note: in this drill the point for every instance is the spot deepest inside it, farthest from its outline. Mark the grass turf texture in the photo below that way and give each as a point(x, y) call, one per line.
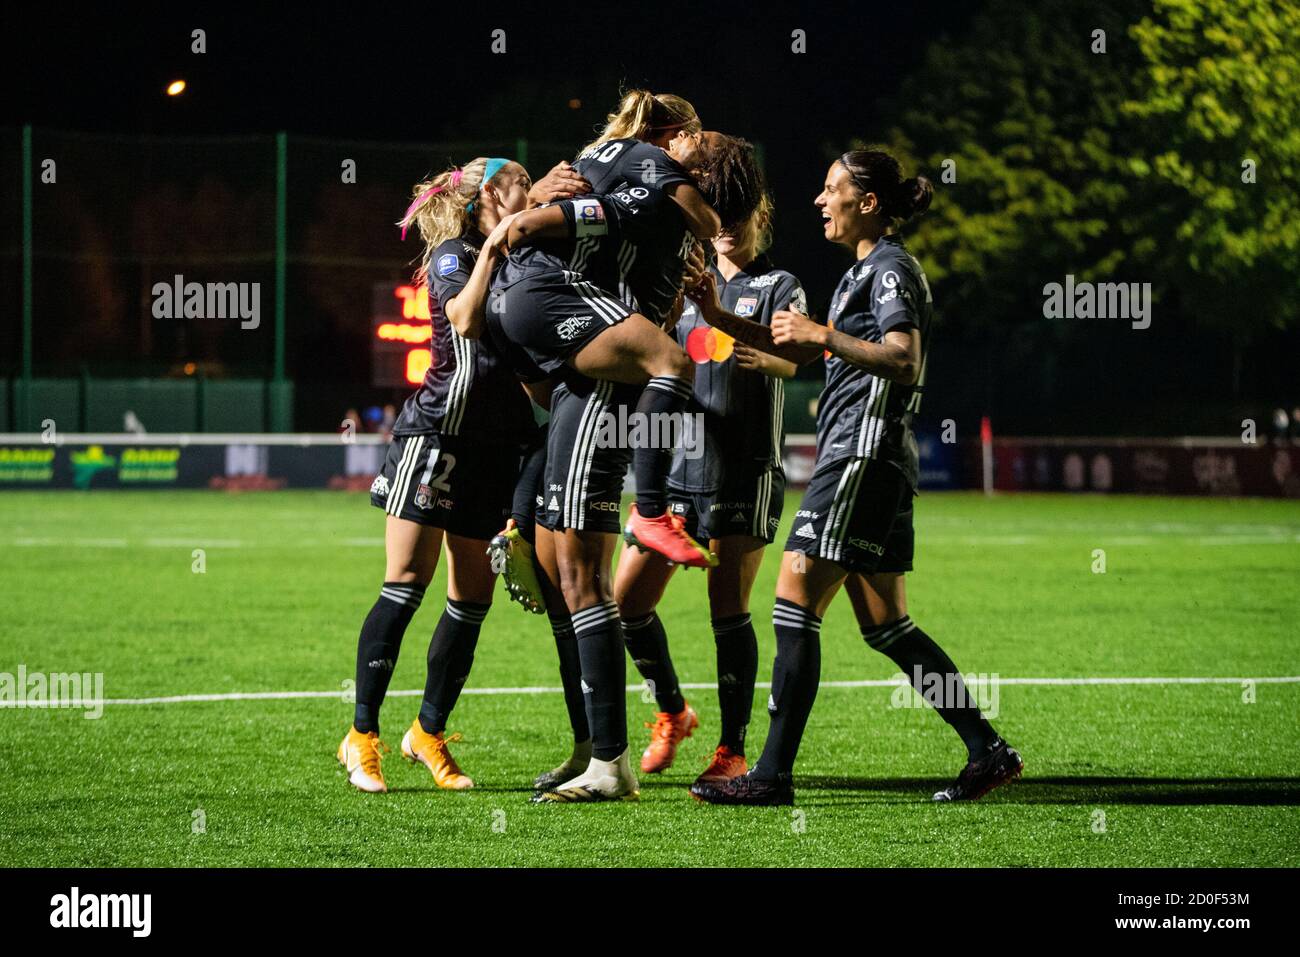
point(1181, 775)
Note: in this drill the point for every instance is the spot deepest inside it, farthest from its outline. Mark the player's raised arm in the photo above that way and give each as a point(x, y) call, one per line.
point(746, 331)
point(467, 310)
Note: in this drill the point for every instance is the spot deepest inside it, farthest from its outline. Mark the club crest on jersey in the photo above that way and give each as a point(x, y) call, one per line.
point(746, 306)
point(423, 496)
point(589, 217)
point(448, 264)
point(570, 328)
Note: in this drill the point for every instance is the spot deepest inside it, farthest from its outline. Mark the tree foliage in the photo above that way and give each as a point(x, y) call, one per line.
point(1122, 165)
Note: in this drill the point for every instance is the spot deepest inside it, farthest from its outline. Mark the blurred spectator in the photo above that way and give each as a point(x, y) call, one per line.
point(1281, 424)
point(353, 417)
point(1295, 422)
point(390, 417)
point(374, 419)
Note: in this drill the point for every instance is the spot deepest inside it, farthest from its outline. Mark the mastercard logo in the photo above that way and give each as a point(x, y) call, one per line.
point(705, 344)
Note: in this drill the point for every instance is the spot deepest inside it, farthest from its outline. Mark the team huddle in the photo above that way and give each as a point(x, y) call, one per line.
point(632, 285)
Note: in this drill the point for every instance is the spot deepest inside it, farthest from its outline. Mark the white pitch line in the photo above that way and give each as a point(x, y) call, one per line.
point(705, 686)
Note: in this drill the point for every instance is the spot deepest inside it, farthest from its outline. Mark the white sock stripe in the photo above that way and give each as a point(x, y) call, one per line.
point(409, 600)
point(635, 624)
point(602, 612)
point(595, 623)
point(746, 622)
point(807, 622)
point(467, 615)
point(671, 385)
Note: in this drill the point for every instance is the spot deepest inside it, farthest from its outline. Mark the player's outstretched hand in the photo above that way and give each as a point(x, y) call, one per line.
point(704, 293)
point(560, 183)
point(797, 329)
point(748, 358)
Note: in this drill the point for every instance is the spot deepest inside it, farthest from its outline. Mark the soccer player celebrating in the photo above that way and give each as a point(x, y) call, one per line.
point(451, 467)
point(729, 491)
point(564, 294)
point(855, 518)
point(525, 550)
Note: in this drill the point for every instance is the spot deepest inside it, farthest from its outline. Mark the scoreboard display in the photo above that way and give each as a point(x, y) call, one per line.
point(400, 330)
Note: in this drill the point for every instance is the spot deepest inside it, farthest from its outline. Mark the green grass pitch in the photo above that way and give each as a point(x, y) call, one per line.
point(1117, 774)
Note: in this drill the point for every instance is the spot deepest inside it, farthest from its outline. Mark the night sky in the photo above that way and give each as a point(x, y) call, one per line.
point(426, 73)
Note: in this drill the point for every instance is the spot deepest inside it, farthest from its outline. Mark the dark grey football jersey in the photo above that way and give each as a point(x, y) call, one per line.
point(743, 409)
point(649, 257)
point(468, 388)
point(861, 415)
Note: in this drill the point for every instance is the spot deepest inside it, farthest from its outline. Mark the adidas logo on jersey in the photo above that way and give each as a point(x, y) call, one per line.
point(806, 530)
point(554, 505)
point(379, 486)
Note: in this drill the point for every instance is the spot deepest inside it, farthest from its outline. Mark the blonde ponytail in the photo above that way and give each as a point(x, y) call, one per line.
point(441, 208)
point(641, 115)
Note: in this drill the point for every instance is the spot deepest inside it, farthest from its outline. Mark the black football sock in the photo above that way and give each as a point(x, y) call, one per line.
point(935, 678)
point(647, 643)
point(451, 655)
point(566, 643)
point(604, 676)
point(381, 638)
point(795, 677)
point(737, 651)
point(663, 395)
point(528, 488)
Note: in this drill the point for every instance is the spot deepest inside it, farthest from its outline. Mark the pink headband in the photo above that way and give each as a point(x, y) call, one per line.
point(423, 197)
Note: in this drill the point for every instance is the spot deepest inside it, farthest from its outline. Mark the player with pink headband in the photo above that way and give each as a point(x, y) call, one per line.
point(451, 468)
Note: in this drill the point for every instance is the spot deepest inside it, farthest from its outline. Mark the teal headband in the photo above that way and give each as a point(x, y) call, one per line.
point(491, 169)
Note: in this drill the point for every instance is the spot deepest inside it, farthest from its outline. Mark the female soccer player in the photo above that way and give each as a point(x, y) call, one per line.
point(729, 491)
point(557, 302)
point(451, 467)
point(525, 551)
point(855, 518)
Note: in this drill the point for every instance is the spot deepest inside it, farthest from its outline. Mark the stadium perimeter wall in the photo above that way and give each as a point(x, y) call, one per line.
point(1185, 466)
